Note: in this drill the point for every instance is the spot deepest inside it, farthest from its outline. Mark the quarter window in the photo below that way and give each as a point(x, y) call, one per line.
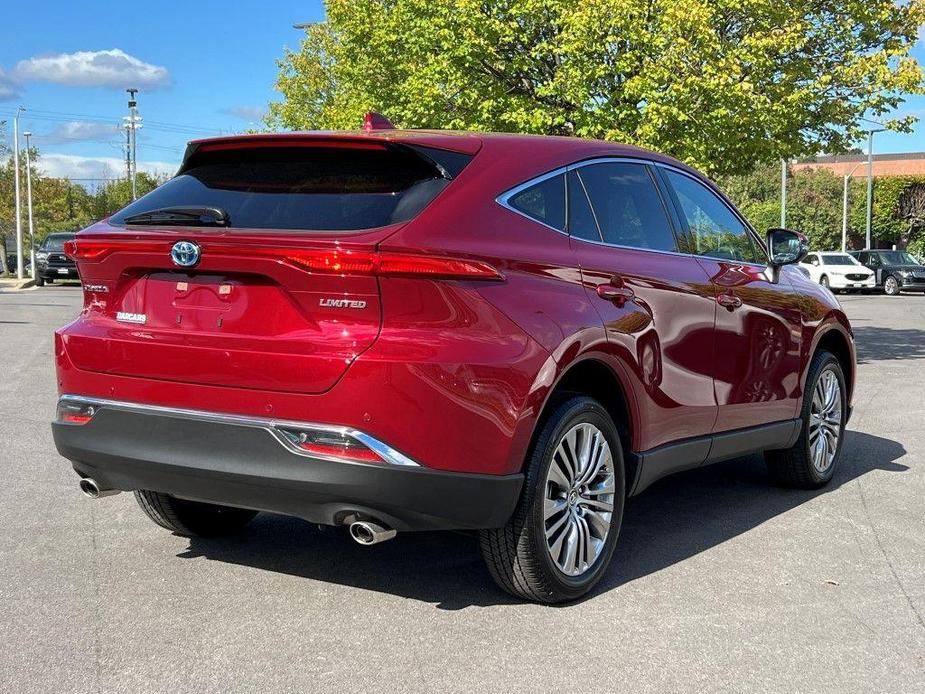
point(712, 229)
point(627, 206)
point(543, 201)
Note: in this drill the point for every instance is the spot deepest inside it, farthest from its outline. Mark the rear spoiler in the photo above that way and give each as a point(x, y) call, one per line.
point(448, 162)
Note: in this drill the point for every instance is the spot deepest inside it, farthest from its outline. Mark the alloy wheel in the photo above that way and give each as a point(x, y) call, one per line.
point(578, 499)
point(825, 420)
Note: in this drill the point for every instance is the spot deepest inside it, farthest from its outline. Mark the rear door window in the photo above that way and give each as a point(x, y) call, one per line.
point(302, 188)
point(627, 206)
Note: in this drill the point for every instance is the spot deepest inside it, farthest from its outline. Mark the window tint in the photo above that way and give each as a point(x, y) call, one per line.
point(838, 259)
point(627, 206)
point(581, 222)
point(810, 259)
point(713, 230)
point(301, 188)
point(543, 201)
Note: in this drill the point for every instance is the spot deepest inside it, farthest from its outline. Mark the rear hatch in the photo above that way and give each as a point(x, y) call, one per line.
point(255, 267)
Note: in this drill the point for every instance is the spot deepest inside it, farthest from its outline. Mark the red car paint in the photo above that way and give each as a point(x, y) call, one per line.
point(454, 373)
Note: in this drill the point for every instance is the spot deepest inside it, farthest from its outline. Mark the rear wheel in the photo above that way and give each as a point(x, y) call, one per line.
point(561, 537)
point(811, 462)
point(192, 518)
point(891, 286)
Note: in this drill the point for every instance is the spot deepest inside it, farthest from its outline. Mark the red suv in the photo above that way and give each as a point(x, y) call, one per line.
point(418, 330)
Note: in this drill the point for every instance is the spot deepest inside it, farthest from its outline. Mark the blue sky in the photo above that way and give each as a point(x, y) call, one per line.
point(204, 67)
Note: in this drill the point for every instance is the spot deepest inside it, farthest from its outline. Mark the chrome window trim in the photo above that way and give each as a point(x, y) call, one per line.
point(504, 198)
point(271, 425)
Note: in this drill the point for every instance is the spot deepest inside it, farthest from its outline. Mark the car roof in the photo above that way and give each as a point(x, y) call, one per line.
point(541, 150)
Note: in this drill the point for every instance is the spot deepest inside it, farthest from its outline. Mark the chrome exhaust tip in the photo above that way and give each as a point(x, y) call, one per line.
point(369, 533)
point(91, 488)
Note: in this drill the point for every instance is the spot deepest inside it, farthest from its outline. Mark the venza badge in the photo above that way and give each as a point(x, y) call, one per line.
point(185, 253)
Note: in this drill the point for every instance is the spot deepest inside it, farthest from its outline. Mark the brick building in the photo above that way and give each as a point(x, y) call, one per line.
point(906, 164)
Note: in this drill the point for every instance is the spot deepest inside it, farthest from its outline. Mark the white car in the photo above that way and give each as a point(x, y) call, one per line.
point(838, 271)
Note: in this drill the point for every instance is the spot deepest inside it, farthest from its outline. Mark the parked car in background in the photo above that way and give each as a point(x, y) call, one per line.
point(895, 271)
point(837, 271)
point(416, 330)
point(51, 262)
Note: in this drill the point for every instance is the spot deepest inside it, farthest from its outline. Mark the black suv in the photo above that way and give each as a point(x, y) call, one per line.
point(895, 271)
point(51, 263)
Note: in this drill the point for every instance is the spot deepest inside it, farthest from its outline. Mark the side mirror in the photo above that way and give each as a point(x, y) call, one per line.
point(786, 247)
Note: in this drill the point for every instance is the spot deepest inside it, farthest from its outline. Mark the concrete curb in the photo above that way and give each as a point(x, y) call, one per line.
point(16, 284)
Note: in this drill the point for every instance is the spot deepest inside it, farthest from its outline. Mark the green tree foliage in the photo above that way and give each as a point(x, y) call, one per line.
point(814, 206)
point(721, 84)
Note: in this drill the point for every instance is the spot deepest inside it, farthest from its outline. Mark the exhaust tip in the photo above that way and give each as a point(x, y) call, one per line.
point(91, 488)
point(369, 533)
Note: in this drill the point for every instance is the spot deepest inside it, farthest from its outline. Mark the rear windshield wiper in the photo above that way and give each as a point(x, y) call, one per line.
point(182, 216)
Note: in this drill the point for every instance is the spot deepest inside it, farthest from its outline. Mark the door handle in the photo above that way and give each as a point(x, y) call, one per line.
point(730, 301)
point(612, 293)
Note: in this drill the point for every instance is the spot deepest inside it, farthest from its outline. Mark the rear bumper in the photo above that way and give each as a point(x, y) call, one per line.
point(243, 462)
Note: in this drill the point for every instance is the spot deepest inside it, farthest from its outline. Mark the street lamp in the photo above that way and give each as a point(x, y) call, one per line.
point(19, 268)
point(870, 175)
point(27, 135)
point(844, 209)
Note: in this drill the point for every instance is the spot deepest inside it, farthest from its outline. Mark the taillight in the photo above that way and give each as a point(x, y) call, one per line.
point(341, 261)
point(331, 444)
point(374, 263)
point(75, 412)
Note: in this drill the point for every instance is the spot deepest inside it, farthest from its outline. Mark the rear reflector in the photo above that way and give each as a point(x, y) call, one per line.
point(75, 413)
point(326, 260)
point(329, 444)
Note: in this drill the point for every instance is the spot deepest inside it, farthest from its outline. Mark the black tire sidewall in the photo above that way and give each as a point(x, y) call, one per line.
point(575, 411)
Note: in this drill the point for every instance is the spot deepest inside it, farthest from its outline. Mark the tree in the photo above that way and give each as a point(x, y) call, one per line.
point(721, 84)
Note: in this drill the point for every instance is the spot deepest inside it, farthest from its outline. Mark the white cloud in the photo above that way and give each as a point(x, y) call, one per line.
point(113, 68)
point(76, 166)
point(248, 113)
point(8, 87)
point(78, 131)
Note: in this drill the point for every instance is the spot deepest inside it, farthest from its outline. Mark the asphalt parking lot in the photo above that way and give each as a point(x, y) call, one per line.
point(721, 582)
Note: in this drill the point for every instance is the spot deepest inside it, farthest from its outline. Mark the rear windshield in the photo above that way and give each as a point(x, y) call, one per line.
point(302, 188)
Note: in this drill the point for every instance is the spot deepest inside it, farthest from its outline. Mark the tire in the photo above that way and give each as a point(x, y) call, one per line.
point(799, 466)
point(824, 281)
point(39, 281)
point(891, 286)
point(518, 556)
point(50, 280)
point(192, 518)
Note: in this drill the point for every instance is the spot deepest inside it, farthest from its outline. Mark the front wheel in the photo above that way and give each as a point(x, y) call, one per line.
point(39, 281)
point(192, 518)
point(559, 541)
point(891, 286)
point(811, 462)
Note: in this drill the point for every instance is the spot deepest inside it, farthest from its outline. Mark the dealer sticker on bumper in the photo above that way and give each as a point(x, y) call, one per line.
point(139, 318)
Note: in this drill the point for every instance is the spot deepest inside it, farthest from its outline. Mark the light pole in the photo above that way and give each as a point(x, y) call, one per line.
point(19, 268)
point(844, 209)
point(870, 179)
point(783, 193)
point(27, 135)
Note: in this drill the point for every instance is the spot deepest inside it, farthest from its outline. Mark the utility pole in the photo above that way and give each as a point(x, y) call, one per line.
point(870, 180)
point(783, 193)
point(132, 123)
point(27, 135)
point(19, 263)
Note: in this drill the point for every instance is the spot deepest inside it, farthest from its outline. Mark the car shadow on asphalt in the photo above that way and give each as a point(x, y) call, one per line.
point(674, 520)
point(876, 343)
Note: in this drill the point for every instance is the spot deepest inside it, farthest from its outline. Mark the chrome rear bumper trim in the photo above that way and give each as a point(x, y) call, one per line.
point(274, 426)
